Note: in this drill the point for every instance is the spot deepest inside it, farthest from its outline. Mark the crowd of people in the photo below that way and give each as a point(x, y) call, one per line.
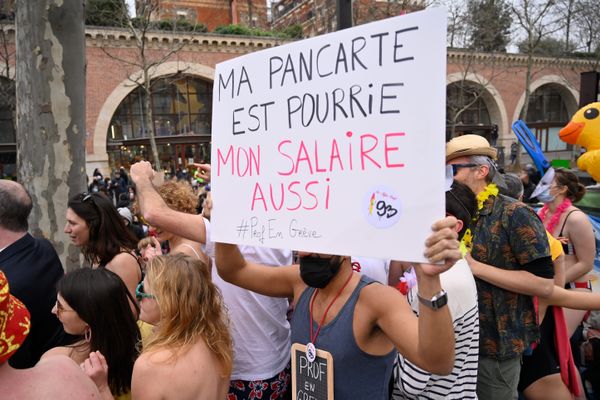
point(160, 311)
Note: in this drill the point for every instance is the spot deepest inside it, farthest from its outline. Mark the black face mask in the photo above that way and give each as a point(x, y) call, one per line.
point(317, 272)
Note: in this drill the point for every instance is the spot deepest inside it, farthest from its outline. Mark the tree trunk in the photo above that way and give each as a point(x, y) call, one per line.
point(149, 117)
point(50, 86)
point(568, 18)
point(525, 109)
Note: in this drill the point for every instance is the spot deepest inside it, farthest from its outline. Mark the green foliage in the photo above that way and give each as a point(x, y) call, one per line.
point(179, 25)
point(548, 47)
point(291, 32)
point(242, 30)
point(490, 22)
point(586, 55)
point(105, 12)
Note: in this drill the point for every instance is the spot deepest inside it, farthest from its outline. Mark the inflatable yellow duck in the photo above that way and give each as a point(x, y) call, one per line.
point(584, 130)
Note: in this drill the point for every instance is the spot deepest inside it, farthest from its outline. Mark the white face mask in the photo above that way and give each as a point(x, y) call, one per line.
point(542, 190)
point(545, 196)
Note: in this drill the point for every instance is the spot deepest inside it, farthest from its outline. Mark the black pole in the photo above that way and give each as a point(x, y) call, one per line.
point(344, 14)
point(589, 88)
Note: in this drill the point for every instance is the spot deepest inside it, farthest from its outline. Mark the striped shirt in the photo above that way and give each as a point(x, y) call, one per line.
point(411, 382)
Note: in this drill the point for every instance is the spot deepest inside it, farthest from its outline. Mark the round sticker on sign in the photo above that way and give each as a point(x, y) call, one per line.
point(381, 207)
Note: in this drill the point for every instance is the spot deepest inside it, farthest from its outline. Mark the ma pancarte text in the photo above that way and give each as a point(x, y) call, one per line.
point(344, 152)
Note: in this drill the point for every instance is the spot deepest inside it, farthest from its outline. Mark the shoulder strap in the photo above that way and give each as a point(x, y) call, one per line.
point(192, 248)
point(137, 260)
point(565, 222)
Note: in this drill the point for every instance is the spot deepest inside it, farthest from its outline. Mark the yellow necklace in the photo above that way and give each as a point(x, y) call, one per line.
point(490, 190)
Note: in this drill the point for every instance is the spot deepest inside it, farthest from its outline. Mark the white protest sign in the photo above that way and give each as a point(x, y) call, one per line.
point(334, 144)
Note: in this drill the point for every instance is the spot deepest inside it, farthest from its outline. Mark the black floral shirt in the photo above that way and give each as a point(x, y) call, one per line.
point(507, 235)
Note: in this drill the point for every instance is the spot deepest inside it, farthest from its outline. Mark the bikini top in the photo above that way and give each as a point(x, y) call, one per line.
point(567, 247)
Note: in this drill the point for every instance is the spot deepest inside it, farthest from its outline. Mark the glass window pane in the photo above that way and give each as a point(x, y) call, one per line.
point(7, 131)
point(201, 123)
point(554, 143)
point(547, 105)
point(139, 130)
point(137, 102)
point(460, 95)
point(165, 125)
point(162, 102)
point(180, 107)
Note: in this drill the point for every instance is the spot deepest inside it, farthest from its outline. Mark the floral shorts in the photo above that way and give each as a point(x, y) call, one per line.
point(277, 387)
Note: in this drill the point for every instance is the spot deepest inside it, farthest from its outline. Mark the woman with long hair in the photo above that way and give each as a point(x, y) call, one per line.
point(571, 226)
point(189, 355)
point(94, 306)
point(94, 224)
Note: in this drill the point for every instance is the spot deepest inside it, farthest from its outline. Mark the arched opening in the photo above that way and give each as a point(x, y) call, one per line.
point(465, 105)
point(467, 111)
point(547, 114)
point(8, 142)
point(181, 107)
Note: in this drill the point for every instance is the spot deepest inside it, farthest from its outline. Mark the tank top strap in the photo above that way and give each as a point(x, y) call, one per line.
point(307, 294)
point(137, 260)
point(347, 311)
point(364, 281)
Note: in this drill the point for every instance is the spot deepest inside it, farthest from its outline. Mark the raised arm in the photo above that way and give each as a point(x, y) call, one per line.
point(269, 281)
point(158, 213)
point(428, 341)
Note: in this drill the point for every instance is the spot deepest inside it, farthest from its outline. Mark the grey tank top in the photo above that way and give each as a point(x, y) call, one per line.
point(356, 374)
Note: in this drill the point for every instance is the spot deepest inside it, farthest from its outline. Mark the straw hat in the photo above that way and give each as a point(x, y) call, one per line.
point(469, 145)
point(14, 321)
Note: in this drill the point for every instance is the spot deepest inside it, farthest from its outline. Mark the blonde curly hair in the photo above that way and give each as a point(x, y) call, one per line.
point(179, 196)
point(191, 308)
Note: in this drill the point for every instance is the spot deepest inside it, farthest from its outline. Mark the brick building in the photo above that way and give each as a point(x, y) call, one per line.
point(319, 16)
point(216, 12)
point(115, 129)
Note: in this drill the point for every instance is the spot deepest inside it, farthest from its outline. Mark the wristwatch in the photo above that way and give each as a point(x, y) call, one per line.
point(438, 300)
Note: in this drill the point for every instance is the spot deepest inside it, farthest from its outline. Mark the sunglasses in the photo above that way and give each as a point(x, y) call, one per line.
point(85, 196)
point(60, 308)
point(140, 294)
point(456, 167)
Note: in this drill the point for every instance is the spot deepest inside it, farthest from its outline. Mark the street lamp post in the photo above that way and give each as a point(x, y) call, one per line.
point(344, 14)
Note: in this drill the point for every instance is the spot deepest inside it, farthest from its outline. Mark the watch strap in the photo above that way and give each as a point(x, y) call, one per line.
point(438, 300)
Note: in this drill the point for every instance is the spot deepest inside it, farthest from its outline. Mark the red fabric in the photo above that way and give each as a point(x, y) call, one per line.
point(582, 285)
point(402, 286)
point(14, 321)
point(568, 370)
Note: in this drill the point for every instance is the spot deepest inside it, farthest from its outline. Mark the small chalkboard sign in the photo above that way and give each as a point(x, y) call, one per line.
point(311, 380)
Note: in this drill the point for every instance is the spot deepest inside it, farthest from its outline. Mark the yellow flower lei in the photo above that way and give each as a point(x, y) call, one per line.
point(490, 190)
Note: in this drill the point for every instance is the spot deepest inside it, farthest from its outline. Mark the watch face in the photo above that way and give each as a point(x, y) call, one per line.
point(437, 301)
point(440, 301)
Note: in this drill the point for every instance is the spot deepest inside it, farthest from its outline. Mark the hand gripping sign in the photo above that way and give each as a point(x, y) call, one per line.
point(334, 144)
